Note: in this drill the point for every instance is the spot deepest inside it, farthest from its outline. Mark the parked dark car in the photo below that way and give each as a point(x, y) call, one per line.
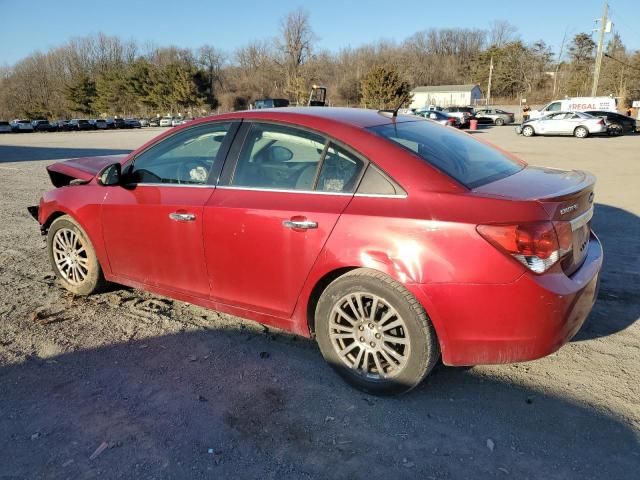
point(132, 123)
point(617, 124)
point(80, 124)
point(43, 126)
point(62, 125)
point(5, 127)
point(440, 117)
point(270, 103)
point(99, 124)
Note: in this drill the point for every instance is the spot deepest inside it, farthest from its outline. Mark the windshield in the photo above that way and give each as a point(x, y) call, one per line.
point(467, 160)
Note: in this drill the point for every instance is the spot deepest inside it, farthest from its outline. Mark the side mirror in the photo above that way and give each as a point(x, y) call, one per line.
point(110, 175)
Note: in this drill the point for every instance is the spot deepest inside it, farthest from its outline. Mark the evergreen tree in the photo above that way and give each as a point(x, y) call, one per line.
point(80, 94)
point(382, 88)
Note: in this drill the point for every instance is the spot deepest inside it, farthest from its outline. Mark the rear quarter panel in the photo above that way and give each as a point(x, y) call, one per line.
point(427, 238)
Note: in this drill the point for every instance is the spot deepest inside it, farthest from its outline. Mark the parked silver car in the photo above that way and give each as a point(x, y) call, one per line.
point(494, 116)
point(18, 125)
point(578, 124)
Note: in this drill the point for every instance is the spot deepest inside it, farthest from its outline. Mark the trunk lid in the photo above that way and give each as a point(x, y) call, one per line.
point(566, 195)
point(82, 169)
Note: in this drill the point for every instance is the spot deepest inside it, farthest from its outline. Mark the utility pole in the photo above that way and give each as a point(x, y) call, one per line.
point(489, 86)
point(604, 27)
point(555, 75)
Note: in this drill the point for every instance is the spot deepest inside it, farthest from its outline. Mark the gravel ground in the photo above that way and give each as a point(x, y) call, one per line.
point(129, 385)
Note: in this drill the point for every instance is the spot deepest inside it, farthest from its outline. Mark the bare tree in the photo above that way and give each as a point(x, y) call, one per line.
point(296, 45)
point(501, 32)
point(212, 62)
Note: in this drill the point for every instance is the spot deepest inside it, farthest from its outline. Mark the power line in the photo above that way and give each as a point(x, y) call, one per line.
point(620, 61)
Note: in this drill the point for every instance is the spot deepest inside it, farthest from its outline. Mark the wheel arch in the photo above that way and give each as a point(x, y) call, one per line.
point(94, 237)
point(320, 286)
point(52, 217)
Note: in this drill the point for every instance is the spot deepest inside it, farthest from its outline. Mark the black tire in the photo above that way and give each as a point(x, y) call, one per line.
point(420, 353)
point(86, 283)
point(499, 122)
point(528, 131)
point(615, 129)
point(581, 132)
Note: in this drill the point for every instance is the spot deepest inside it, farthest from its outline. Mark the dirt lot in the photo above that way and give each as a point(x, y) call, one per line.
point(128, 385)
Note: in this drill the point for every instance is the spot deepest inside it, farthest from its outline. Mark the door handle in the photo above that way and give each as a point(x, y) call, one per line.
point(182, 217)
point(300, 224)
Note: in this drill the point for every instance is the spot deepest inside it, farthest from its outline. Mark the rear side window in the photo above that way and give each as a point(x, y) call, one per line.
point(340, 171)
point(470, 162)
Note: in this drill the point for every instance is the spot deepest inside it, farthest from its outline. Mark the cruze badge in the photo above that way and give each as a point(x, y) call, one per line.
point(568, 209)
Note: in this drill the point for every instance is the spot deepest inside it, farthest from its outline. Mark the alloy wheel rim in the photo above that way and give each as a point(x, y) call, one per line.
point(369, 336)
point(581, 133)
point(70, 256)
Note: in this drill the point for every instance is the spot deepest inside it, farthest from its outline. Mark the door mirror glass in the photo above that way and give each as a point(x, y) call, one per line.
point(110, 175)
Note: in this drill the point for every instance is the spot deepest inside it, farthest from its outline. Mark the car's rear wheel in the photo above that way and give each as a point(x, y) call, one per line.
point(528, 131)
point(581, 132)
point(73, 258)
point(374, 333)
point(615, 129)
point(499, 122)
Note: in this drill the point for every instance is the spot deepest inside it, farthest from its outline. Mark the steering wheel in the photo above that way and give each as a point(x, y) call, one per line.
point(186, 168)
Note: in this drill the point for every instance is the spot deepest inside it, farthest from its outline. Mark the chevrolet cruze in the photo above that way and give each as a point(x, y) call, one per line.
point(391, 240)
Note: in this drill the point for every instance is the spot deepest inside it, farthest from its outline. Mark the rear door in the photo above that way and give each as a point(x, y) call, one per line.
point(267, 222)
point(152, 227)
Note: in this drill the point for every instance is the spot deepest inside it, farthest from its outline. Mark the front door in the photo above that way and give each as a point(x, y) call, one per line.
point(153, 225)
point(265, 229)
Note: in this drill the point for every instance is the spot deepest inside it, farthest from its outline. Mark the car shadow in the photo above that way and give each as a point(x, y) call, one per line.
point(618, 303)
point(16, 153)
point(235, 404)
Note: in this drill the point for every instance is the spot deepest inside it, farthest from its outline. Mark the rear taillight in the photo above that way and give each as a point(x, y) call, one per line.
point(451, 120)
point(538, 246)
point(601, 122)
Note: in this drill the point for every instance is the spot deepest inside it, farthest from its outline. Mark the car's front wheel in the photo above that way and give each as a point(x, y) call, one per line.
point(528, 131)
point(499, 122)
point(374, 333)
point(73, 258)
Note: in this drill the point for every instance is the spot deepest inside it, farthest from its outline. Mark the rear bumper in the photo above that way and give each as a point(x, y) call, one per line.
point(524, 320)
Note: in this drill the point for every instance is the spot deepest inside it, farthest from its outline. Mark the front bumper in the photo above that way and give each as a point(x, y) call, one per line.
point(524, 320)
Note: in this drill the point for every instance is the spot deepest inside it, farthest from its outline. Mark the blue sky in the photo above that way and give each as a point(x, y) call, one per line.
point(32, 25)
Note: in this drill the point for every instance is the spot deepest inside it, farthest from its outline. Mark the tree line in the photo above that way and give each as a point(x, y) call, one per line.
point(103, 75)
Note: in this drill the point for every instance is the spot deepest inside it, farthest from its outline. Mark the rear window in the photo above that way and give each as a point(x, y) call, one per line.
point(4, 123)
point(457, 154)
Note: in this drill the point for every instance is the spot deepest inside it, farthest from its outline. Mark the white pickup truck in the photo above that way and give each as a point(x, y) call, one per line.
point(576, 104)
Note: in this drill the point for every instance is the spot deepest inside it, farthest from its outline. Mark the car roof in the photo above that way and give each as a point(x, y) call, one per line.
point(354, 117)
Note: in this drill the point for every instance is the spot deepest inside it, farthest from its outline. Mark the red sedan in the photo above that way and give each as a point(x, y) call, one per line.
point(393, 241)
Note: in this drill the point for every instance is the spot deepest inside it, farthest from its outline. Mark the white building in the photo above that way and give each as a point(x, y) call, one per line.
point(445, 96)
